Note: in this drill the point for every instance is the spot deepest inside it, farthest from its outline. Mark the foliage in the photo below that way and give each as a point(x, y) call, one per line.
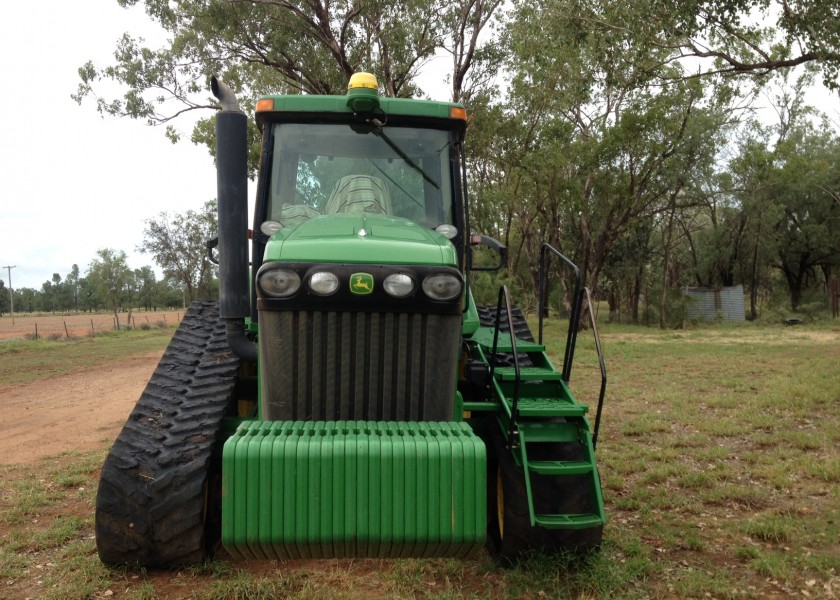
point(177, 243)
point(731, 38)
point(287, 46)
point(110, 276)
point(621, 137)
point(787, 177)
point(5, 300)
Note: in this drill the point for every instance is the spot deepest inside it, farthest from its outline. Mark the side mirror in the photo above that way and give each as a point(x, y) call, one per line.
point(496, 245)
point(211, 244)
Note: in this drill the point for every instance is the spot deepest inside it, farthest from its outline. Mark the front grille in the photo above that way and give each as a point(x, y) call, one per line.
point(330, 366)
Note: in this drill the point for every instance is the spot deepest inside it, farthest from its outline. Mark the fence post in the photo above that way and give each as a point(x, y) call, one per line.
point(66, 333)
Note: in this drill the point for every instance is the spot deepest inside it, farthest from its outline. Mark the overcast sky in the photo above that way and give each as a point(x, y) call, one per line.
point(73, 182)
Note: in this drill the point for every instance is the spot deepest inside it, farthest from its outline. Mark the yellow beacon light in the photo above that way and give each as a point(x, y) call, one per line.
point(363, 93)
point(363, 80)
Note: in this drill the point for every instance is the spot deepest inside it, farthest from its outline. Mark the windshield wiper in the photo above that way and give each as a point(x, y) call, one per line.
point(379, 131)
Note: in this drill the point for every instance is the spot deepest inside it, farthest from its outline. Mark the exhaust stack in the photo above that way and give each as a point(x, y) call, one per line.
point(232, 184)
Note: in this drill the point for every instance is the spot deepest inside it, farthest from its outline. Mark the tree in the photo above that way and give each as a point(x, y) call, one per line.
point(786, 177)
point(288, 46)
point(177, 244)
point(49, 291)
point(590, 148)
point(725, 37)
point(26, 299)
point(109, 276)
point(147, 287)
point(73, 286)
point(807, 234)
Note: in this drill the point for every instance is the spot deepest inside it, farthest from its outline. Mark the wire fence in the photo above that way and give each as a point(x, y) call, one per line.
point(48, 326)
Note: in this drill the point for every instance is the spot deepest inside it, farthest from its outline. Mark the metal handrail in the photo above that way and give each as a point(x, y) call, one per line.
point(504, 293)
point(603, 368)
point(574, 318)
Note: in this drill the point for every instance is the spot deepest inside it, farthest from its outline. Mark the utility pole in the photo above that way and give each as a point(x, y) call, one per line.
point(11, 293)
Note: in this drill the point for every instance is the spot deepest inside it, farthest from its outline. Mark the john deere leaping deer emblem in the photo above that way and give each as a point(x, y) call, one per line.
point(361, 283)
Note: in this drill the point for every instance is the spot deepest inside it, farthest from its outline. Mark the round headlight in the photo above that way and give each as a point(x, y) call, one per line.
point(323, 283)
point(280, 282)
point(399, 285)
point(447, 231)
point(442, 286)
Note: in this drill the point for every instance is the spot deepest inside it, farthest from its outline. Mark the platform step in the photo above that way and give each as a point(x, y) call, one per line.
point(548, 407)
point(527, 374)
point(560, 467)
point(548, 431)
point(568, 521)
point(484, 338)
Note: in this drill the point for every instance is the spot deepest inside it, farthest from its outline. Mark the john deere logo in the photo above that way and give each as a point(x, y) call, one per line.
point(361, 283)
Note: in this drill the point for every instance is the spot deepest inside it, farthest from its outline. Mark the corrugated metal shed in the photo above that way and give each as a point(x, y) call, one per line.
point(709, 303)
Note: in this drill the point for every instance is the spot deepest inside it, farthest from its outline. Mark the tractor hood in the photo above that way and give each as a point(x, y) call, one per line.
point(361, 238)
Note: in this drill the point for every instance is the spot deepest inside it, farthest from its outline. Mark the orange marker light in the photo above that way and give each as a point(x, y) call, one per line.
point(265, 104)
point(456, 112)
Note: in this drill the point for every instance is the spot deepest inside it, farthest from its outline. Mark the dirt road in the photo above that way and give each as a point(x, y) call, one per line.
point(80, 411)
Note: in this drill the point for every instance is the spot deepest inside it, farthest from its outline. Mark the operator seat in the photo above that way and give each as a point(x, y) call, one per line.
point(359, 193)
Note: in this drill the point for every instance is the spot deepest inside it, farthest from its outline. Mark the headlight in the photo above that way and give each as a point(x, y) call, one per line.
point(270, 227)
point(442, 287)
point(447, 231)
point(323, 283)
point(399, 285)
point(280, 282)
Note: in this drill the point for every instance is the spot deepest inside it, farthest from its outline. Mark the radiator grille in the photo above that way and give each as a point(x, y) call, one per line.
point(329, 366)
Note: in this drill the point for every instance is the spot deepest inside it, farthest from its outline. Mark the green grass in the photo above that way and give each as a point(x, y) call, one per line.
point(719, 454)
point(23, 361)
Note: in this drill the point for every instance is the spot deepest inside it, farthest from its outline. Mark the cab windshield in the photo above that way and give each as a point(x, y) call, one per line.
point(337, 168)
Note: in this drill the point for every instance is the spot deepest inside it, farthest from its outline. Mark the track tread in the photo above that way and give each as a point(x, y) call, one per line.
point(150, 507)
point(487, 318)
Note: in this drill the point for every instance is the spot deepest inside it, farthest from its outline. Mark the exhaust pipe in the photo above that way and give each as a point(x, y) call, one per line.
point(232, 185)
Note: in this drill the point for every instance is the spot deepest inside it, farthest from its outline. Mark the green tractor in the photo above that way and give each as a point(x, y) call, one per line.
point(346, 397)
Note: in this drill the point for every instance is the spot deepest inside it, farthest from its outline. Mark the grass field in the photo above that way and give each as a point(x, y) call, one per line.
point(719, 454)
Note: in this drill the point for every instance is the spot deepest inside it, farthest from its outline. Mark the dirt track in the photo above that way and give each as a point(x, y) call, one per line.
point(80, 411)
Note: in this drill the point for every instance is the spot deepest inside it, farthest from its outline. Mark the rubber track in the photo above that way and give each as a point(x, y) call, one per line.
point(487, 318)
point(150, 507)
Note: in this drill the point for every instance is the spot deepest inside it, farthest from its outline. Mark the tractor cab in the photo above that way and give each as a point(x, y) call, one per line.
point(391, 157)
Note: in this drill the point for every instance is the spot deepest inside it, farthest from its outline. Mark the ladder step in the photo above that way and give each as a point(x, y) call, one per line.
point(560, 467)
point(568, 521)
point(548, 407)
point(484, 338)
point(527, 374)
point(546, 431)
